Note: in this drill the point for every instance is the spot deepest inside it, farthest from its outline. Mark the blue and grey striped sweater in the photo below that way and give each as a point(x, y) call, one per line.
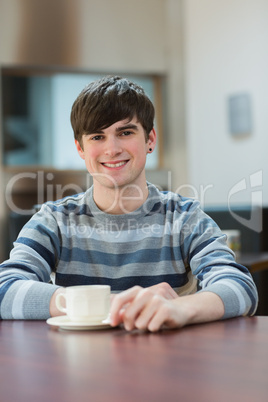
point(168, 239)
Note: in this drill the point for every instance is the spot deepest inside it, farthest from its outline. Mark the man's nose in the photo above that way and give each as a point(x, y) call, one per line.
point(113, 146)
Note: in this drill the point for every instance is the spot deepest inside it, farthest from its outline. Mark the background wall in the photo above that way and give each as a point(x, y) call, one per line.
point(226, 53)
point(118, 36)
point(206, 49)
point(104, 35)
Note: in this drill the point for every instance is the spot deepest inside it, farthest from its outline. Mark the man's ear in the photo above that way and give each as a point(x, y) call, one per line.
point(79, 149)
point(152, 139)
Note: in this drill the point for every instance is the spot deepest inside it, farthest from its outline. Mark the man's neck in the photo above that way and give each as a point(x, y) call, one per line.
point(120, 200)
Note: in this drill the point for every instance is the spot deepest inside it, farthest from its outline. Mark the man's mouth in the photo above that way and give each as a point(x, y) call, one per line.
point(115, 165)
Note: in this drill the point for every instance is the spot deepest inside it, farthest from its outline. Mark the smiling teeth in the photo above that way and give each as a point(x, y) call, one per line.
point(112, 165)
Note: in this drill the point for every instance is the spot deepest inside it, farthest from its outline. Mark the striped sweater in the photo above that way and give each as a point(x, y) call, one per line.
point(168, 239)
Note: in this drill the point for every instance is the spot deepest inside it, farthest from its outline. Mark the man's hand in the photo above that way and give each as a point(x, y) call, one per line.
point(142, 308)
point(165, 290)
point(145, 308)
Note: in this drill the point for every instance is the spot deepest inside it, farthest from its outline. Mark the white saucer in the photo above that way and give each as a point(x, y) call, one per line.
point(63, 322)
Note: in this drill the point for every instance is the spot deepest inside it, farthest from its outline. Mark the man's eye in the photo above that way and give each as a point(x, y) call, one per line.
point(126, 133)
point(96, 137)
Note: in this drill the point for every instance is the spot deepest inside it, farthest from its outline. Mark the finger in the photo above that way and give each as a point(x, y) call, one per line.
point(149, 311)
point(166, 316)
point(120, 302)
point(136, 308)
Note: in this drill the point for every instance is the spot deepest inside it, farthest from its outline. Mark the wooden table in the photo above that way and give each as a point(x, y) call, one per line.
point(220, 361)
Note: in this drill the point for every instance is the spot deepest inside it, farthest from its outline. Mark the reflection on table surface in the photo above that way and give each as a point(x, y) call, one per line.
point(225, 360)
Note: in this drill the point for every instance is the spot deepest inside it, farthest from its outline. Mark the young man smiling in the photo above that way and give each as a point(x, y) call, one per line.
point(116, 157)
point(166, 261)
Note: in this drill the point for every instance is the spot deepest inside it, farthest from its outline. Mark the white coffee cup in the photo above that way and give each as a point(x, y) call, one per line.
point(89, 303)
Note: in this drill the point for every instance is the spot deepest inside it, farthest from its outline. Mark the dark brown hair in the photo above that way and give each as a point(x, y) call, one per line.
point(108, 100)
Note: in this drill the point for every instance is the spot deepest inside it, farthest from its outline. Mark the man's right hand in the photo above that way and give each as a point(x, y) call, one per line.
point(165, 290)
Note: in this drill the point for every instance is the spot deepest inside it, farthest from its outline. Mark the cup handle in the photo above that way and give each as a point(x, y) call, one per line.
point(58, 302)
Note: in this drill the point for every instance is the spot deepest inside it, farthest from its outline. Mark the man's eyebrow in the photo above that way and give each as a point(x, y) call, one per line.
point(126, 127)
point(118, 129)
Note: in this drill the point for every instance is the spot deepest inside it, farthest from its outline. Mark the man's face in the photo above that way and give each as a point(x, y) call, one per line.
point(116, 156)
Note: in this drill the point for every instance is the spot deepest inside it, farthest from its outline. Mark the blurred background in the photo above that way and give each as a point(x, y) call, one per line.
point(204, 64)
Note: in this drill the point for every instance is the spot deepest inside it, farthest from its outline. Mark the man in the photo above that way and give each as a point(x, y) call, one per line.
point(166, 261)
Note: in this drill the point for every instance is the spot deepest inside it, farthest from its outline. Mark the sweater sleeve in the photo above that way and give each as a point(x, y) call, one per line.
point(214, 266)
point(25, 291)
